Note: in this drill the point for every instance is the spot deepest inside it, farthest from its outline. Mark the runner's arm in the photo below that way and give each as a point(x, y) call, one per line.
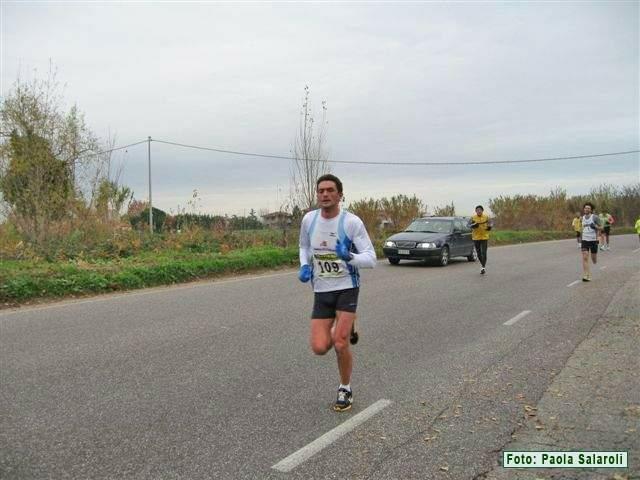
point(306, 252)
point(366, 256)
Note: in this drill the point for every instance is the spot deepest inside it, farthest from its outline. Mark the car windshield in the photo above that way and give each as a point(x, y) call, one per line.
point(427, 225)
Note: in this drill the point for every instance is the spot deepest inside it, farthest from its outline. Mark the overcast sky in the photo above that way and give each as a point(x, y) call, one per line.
point(403, 82)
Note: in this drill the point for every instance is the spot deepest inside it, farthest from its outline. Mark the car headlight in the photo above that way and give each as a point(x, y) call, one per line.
point(426, 245)
point(389, 243)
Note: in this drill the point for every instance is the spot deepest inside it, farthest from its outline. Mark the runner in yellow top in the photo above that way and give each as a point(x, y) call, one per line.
point(481, 224)
point(638, 227)
point(577, 226)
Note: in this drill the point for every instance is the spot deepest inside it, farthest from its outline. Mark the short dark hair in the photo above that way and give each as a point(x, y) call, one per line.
point(479, 207)
point(590, 204)
point(330, 178)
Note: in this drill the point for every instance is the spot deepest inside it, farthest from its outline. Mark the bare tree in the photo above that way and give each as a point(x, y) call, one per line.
point(100, 181)
point(309, 151)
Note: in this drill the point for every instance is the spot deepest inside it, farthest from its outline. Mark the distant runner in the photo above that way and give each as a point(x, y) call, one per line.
point(333, 245)
point(577, 227)
point(590, 226)
point(607, 221)
point(481, 224)
point(638, 227)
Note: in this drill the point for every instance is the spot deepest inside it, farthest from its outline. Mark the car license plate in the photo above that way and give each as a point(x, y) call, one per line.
point(404, 252)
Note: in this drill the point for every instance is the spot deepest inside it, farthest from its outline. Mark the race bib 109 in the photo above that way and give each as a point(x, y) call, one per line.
point(328, 265)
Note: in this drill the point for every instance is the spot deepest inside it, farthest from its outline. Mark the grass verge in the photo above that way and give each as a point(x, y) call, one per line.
point(21, 282)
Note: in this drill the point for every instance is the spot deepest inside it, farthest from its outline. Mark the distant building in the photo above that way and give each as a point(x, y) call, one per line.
point(277, 219)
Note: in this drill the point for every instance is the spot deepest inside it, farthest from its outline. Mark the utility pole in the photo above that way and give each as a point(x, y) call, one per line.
point(150, 204)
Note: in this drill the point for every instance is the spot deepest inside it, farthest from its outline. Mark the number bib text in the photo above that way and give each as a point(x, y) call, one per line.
point(328, 265)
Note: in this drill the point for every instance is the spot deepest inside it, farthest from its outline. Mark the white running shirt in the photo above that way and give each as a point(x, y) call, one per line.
point(318, 237)
point(588, 233)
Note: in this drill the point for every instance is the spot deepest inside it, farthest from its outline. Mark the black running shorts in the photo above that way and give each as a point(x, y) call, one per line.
point(589, 246)
point(325, 304)
point(607, 230)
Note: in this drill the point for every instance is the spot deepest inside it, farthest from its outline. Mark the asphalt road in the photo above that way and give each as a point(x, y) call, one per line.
point(216, 379)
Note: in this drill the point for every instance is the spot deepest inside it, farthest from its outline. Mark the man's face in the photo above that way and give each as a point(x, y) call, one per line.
point(327, 194)
point(479, 211)
point(587, 209)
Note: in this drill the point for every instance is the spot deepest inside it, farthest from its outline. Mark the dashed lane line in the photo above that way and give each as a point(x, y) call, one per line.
point(518, 317)
point(306, 452)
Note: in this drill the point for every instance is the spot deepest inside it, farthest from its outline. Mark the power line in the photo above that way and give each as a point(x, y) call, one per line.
point(356, 162)
point(229, 151)
point(112, 149)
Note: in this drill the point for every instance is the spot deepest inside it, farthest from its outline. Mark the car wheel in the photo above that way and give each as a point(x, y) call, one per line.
point(444, 256)
point(474, 255)
point(394, 261)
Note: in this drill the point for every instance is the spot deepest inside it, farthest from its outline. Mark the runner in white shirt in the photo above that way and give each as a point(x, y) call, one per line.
point(590, 226)
point(333, 245)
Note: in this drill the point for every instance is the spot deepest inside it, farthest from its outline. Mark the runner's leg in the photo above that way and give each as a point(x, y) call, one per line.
point(478, 246)
point(320, 340)
point(485, 248)
point(344, 321)
point(586, 269)
point(354, 337)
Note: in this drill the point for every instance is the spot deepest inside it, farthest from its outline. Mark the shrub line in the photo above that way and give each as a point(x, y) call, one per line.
point(45, 280)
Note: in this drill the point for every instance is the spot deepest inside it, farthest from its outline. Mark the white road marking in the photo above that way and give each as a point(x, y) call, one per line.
point(636, 250)
point(602, 268)
point(306, 452)
point(519, 316)
point(573, 283)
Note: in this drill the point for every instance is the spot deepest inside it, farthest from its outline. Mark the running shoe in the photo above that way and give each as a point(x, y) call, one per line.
point(586, 278)
point(482, 271)
point(344, 400)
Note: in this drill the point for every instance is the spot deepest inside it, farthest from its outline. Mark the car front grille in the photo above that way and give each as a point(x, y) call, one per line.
point(405, 244)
